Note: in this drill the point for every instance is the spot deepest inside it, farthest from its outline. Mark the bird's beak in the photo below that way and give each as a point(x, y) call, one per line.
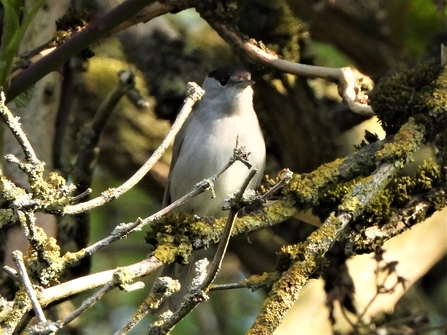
point(245, 83)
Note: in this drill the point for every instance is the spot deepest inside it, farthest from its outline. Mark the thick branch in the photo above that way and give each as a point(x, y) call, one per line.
point(127, 11)
point(305, 256)
point(257, 52)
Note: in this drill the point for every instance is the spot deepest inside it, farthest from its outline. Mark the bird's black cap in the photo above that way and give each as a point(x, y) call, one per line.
point(231, 73)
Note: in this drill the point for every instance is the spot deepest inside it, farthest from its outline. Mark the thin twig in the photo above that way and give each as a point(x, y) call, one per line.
point(16, 129)
point(239, 154)
point(194, 93)
point(373, 298)
point(123, 230)
point(75, 286)
point(126, 82)
point(80, 196)
point(17, 257)
point(11, 273)
point(86, 304)
point(198, 294)
point(380, 289)
point(230, 286)
point(225, 238)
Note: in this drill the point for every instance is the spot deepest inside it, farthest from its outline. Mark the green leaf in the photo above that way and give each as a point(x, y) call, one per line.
point(11, 23)
point(23, 99)
point(13, 32)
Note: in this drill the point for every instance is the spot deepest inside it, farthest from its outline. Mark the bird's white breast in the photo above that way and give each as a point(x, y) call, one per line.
point(209, 134)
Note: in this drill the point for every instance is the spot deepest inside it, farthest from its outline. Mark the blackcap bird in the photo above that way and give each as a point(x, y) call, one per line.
point(206, 142)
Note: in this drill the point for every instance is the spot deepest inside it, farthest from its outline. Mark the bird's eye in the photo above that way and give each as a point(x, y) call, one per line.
point(223, 82)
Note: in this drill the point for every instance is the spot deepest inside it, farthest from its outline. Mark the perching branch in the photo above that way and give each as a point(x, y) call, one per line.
point(123, 230)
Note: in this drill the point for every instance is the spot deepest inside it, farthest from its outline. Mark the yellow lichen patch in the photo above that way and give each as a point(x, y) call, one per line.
point(6, 217)
point(255, 282)
point(121, 276)
point(73, 257)
point(404, 143)
point(44, 263)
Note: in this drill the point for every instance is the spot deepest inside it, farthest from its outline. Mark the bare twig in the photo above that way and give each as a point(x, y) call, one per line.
point(17, 257)
point(16, 129)
point(225, 238)
point(123, 230)
point(239, 154)
point(194, 93)
point(230, 286)
point(387, 270)
point(80, 196)
point(75, 286)
point(12, 273)
point(86, 304)
point(347, 84)
point(126, 82)
point(118, 278)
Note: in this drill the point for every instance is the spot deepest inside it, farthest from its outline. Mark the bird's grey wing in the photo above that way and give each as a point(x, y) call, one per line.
point(175, 153)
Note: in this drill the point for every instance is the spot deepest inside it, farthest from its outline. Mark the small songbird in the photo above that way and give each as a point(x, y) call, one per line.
point(206, 142)
point(224, 115)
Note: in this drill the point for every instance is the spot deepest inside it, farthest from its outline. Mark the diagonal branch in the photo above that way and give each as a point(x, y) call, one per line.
point(16, 129)
point(305, 257)
point(348, 87)
point(194, 93)
point(127, 12)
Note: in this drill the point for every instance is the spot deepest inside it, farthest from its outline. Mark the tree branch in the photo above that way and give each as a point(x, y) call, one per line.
point(305, 257)
point(122, 16)
point(349, 88)
point(194, 93)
